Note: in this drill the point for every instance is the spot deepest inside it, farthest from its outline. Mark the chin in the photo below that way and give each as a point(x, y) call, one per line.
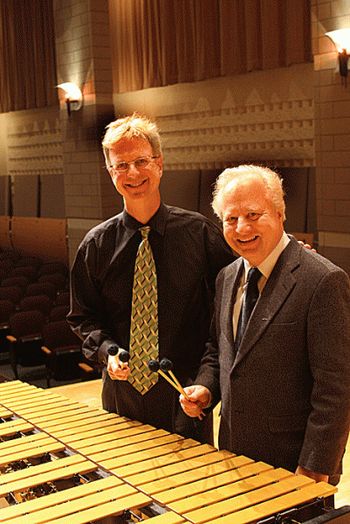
point(136, 194)
point(249, 256)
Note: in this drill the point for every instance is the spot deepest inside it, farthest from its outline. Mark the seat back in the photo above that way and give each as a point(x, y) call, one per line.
point(53, 267)
point(28, 261)
point(62, 363)
point(58, 334)
point(25, 350)
point(59, 312)
point(12, 293)
point(24, 271)
point(41, 288)
point(26, 323)
point(20, 281)
point(6, 265)
point(57, 279)
point(7, 308)
point(41, 303)
point(3, 274)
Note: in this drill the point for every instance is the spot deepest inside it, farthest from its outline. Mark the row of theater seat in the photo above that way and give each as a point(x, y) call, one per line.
point(33, 308)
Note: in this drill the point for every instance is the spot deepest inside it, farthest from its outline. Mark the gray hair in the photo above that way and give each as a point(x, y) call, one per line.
point(271, 180)
point(133, 126)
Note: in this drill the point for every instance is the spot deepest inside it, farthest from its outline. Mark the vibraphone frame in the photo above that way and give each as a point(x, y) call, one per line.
point(122, 465)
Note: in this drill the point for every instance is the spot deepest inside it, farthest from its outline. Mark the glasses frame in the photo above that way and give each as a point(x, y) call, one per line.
point(149, 159)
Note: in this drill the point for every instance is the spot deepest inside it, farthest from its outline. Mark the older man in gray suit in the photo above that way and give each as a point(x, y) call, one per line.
point(285, 384)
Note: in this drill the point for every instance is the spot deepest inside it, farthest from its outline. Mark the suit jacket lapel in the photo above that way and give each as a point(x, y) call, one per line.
point(275, 292)
point(231, 282)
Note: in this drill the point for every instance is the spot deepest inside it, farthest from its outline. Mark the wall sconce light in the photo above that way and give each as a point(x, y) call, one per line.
point(341, 39)
point(73, 96)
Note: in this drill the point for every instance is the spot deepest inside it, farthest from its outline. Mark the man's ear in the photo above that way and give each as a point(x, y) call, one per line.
point(159, 162)
point(280, 216)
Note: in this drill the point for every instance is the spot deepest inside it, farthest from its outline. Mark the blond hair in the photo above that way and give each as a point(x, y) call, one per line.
point(133, 126)
point(271, 180)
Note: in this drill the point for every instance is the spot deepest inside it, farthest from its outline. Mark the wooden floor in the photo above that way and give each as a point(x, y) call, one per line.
point(90, 393)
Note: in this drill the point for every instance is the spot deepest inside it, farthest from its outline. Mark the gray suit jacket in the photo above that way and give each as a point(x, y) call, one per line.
point(286, 394)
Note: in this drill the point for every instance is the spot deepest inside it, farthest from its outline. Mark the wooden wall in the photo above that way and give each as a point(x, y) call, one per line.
point(42, 237)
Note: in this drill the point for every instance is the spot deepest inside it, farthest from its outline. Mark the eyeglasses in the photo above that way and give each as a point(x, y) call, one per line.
point(139, 164)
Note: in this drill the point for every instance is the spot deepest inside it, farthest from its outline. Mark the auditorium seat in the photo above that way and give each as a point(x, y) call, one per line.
point(25, 339)
point(6, 265)
point(19, 281)
point(10, 254)
point(28, 261)
point(57, 279)
point(89, 370)
point(29, 272)
point(7, 308)
point(41, 303)
point(62, 350)
point(12, 293)
point(3, 274)
point(59, 312)
point(42, 288)
point(53, 267)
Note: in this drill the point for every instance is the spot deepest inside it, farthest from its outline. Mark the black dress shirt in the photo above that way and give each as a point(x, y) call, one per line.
point(189, 251)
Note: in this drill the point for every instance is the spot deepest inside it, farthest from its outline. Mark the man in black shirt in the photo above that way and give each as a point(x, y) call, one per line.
point(189, 251)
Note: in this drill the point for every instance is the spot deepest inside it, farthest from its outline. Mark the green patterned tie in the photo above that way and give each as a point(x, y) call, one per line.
point(144, 317)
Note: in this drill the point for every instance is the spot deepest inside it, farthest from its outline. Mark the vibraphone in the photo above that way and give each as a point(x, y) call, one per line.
point(64, 462)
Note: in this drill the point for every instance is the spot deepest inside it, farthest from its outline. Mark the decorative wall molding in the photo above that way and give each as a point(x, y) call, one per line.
point(263, 116)
point(34, 143)
point(279, 134)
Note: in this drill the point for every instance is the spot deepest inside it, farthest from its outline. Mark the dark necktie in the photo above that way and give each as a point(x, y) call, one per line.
point(249, 301)
point(144, 318)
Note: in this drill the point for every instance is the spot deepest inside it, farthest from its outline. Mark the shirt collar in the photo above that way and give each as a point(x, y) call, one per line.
point(268, 264)
point(157, 221)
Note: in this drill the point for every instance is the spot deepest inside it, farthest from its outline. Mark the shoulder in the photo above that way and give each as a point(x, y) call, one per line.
point(317, 264)
point(102, 231)
point(201, 233)
point(192, 219)
point(231, 270)
point(186, 215)
point(312, 271)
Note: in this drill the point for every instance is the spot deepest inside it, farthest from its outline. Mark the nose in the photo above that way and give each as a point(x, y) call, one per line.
point(133, 171)
point(242, 225)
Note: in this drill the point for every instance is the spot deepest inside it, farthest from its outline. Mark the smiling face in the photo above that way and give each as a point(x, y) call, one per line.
point(137, 184)
point(252, 224)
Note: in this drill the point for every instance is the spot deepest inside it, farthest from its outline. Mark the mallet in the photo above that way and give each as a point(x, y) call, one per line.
point(122, 354)
point(161, 368)
point(167, 365)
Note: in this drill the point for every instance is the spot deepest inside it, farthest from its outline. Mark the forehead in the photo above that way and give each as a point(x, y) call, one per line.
point(246, 193)
point(130, 148)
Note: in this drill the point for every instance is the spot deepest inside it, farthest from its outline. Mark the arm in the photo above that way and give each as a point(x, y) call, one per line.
point(86, 315)
point(328, 339)
point(205, 393)
point(209, 371)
